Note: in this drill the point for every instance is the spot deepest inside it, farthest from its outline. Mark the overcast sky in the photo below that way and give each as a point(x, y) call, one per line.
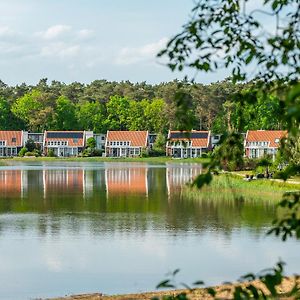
point(84, 40)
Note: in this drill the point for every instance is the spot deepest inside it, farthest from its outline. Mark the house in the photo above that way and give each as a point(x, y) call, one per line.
point(37, 137)
point(258, 143)
point(100, 140)
point(125, 143)
point(184, 144)
point(152, 139)
point(11, 142)
point(65, 143)
point(215, 140)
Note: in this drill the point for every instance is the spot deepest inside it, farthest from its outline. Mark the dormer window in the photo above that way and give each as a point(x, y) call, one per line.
point(13, 140)
point(277, 140)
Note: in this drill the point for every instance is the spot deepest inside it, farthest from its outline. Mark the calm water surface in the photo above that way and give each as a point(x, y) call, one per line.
point(69, 228)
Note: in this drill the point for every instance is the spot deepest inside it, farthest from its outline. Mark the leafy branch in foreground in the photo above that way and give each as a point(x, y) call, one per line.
point(267, 284)
point(230, 34)
point(287, 224)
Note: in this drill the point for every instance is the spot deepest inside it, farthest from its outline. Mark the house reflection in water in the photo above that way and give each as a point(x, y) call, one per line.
point(126, 181)
point(180, 174)
point(12, 183)
point(16, 184)
point(63, 181)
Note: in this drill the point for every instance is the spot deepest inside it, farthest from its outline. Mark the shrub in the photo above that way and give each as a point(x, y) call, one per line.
point(37, 152)
point(204, 155)
point(91, 143)
point(23, 151)
point(97, 152)
point(30, 153)
point(51, 153)
point(157, 152)
point(144, 153)
point(30, 145)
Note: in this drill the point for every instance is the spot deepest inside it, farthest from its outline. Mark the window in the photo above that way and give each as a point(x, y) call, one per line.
point(13, 140)
point(75, 141)
point(276, 140)
point(102, 138)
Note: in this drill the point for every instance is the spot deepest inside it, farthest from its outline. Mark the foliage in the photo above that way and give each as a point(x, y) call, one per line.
point(271, 280)
point(23, 151)
point(51, 153)
point(30, 153)
point(227, 34)
point(30, 145)
point(150, 107)
point(287, 224)
point(159, 145)
point(29, 109)
point(65, 114)
point(91, 142)
point(91, 116)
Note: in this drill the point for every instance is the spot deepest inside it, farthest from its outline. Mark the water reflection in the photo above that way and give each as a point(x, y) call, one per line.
point(115, 227)
point(128, 198)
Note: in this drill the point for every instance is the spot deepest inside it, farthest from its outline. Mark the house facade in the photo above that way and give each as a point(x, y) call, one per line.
point(65, 143)
point(125, 143)
point(100, 141)
point(259, 143)
point(37, 137)
point(11, 142)
point(188, 144)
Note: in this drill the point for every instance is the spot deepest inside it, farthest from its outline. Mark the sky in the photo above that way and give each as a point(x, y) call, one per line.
point(85, 40)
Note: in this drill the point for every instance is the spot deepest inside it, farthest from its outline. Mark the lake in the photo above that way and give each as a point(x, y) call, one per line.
point(72, 227)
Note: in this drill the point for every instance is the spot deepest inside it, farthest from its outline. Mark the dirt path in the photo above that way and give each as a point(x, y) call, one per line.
point(196, 294)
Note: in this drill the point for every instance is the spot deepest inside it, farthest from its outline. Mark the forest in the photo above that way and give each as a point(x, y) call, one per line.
point(103, 105)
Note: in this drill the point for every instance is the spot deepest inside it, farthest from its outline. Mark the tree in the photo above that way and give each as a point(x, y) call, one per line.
point(91, 143)
point(160, 144)
point(117, 113)
point(156, 116)
point(91, 116)
point(65, 118)
point(29, 109)
point(30, 145)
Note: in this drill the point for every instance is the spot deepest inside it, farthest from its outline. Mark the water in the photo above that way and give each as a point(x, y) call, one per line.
point(68, 228)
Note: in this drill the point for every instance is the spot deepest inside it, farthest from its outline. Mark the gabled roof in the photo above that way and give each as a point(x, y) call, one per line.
point(273, 137)
point(198, 138)
point(74, 138)
point(136, 138)
point(12, 138)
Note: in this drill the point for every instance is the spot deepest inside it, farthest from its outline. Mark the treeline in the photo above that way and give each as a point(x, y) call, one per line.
point(103, 105)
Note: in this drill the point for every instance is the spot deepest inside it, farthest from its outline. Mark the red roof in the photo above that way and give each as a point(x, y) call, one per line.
point(198, 138)
point(273, 137)
point(74, 138)
point(12, 138)
point(136, 138)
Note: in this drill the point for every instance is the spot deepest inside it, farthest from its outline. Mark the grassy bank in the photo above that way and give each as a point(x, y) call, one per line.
point(232, 187)
point(162, 159)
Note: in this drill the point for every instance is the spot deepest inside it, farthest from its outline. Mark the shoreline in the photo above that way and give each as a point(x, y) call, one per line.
point(162, 159)
point(224, 291)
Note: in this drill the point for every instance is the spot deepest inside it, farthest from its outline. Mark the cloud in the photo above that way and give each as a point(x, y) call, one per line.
point(133, 55)
point(55, 31)
point(85, 33)
point(62, 50)
point(5, 31)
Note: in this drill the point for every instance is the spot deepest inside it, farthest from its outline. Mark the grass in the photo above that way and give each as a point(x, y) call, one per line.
point(162, 159)
point(228, 186)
